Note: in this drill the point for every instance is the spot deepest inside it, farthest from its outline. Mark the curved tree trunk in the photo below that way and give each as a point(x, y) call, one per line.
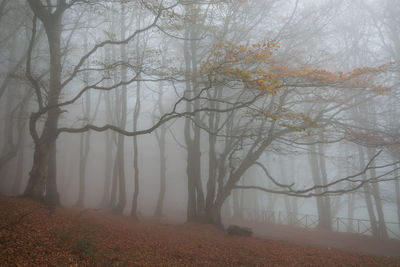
point(42, 181)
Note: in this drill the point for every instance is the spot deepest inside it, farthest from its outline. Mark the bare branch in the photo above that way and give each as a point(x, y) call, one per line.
point(305, 192)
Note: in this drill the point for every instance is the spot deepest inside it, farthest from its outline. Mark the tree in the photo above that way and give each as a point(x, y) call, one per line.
point(42, 181)
point(42, 175)
point(281, 87)
point(13, 92)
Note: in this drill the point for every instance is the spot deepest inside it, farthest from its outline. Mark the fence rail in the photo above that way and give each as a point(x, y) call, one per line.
point(338, 224)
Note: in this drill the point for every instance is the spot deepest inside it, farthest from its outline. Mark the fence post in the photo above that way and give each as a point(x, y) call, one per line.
point(337, 224)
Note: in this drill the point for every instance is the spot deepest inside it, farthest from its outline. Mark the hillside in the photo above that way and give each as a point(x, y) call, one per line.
point(33, 235)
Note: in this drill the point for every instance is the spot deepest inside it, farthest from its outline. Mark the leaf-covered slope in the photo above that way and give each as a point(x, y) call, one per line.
point(33, 235)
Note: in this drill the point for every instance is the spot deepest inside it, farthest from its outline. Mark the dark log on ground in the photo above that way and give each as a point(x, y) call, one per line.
point(239, 230)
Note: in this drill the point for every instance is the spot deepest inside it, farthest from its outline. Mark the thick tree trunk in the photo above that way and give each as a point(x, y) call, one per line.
point(213, 215)
point(52, 196)
point(20, 167)
point(42, 181)
point(196, 200)
point(38, 174)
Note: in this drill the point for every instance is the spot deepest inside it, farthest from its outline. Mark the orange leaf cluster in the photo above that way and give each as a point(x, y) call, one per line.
point(256, 69)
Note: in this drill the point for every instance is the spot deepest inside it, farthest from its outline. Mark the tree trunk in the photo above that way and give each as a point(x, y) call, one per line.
point(136, 114)
point(213, 125)
point(119, 208)
point(8, 150)
point(114, 185)
point(191, 203)
point(20, 167)
point(378, 202)
point(324, 218)
point(108, 166)
point(326, 201)
point(289, 201)
point(368, 199)
point(52, 196)
point(163, 160)
point(163, 170)
point(237, 212)
point(397, 190)
point(38, 174)
point(43, 176)
point(21, 144)
point(84, 140)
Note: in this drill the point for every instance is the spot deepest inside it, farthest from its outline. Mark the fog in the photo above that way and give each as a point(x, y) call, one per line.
point(210, 111)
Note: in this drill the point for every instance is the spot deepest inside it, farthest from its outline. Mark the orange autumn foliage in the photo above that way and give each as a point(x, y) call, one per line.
point(256, 68)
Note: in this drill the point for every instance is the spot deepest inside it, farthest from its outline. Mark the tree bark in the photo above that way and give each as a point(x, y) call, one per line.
point(136, 114)
point(324, 222)
point(161, 135)
point(192, 200)
point(397, 190)
point(119, 208)
point(85, 139)
point(368, 198)
point(326, 201)
point(42, 181)
point(382, 231)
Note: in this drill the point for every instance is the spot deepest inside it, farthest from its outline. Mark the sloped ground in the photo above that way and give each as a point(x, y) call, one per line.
point(349, 242)
point(32, 235)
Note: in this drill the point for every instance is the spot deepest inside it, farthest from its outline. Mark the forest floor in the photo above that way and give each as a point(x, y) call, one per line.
point(33, 235)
